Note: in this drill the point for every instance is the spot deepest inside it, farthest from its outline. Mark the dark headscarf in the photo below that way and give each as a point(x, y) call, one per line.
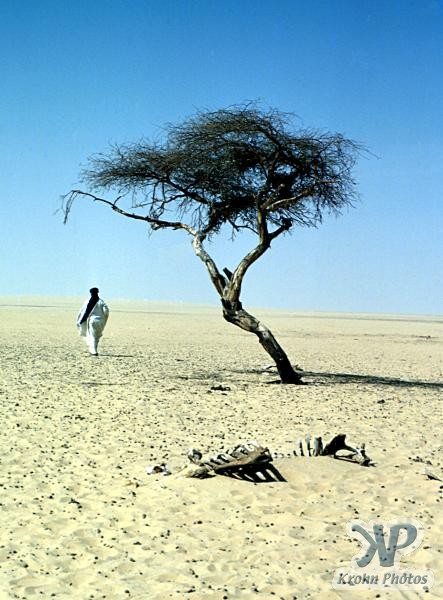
point(92, 302)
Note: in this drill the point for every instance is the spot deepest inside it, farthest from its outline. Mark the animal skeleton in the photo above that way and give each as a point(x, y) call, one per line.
point(252, 453)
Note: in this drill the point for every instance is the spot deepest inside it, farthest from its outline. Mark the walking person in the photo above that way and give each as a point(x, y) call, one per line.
point(91, 320)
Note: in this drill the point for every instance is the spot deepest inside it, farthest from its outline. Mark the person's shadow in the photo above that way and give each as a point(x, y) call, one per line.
point(117, 355)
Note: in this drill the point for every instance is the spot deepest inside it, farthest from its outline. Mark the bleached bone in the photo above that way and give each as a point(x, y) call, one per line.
point(196, 471)
point(308, 444)
point(430, 475)
point(335, 445)
point(317, 446)
point(157, 469)
point(194, 455)
point(338, 443)
point(300, 447)
point(239, 456)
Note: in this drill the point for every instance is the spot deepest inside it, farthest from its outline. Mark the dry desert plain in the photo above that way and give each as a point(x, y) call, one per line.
point(81, 519)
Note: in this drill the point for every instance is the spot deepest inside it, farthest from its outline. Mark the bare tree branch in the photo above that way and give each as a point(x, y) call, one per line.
point(69, 198)
point(217, 278)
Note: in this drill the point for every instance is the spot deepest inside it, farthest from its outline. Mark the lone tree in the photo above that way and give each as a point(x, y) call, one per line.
point(243, 168)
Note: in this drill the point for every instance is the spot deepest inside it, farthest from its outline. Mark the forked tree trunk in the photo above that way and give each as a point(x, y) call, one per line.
point(234, 313)
point(228, 289)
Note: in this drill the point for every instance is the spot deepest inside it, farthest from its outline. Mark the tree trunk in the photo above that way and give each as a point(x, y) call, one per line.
point(234, 313)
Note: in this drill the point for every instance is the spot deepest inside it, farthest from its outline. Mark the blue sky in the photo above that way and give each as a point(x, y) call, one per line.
point(79, 76)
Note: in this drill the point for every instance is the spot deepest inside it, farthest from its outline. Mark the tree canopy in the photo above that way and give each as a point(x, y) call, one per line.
point(228, 165)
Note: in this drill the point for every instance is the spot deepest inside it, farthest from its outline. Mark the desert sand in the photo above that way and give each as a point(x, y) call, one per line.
point(81, 519)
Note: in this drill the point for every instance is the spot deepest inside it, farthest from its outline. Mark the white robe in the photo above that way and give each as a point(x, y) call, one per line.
point(94, 325)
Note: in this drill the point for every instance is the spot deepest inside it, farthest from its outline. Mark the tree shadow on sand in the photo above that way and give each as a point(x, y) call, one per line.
point(340, 378)
point(321, 378)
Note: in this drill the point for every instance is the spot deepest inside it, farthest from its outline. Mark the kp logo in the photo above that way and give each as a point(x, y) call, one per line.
point(378, 566)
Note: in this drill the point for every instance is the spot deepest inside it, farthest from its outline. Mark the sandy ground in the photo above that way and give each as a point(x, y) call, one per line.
point(81, 519)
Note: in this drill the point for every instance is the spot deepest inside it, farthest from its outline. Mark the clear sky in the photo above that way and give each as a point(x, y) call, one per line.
point(79, 76)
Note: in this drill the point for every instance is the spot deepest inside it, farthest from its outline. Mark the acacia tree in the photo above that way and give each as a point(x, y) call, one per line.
point(242, 168)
